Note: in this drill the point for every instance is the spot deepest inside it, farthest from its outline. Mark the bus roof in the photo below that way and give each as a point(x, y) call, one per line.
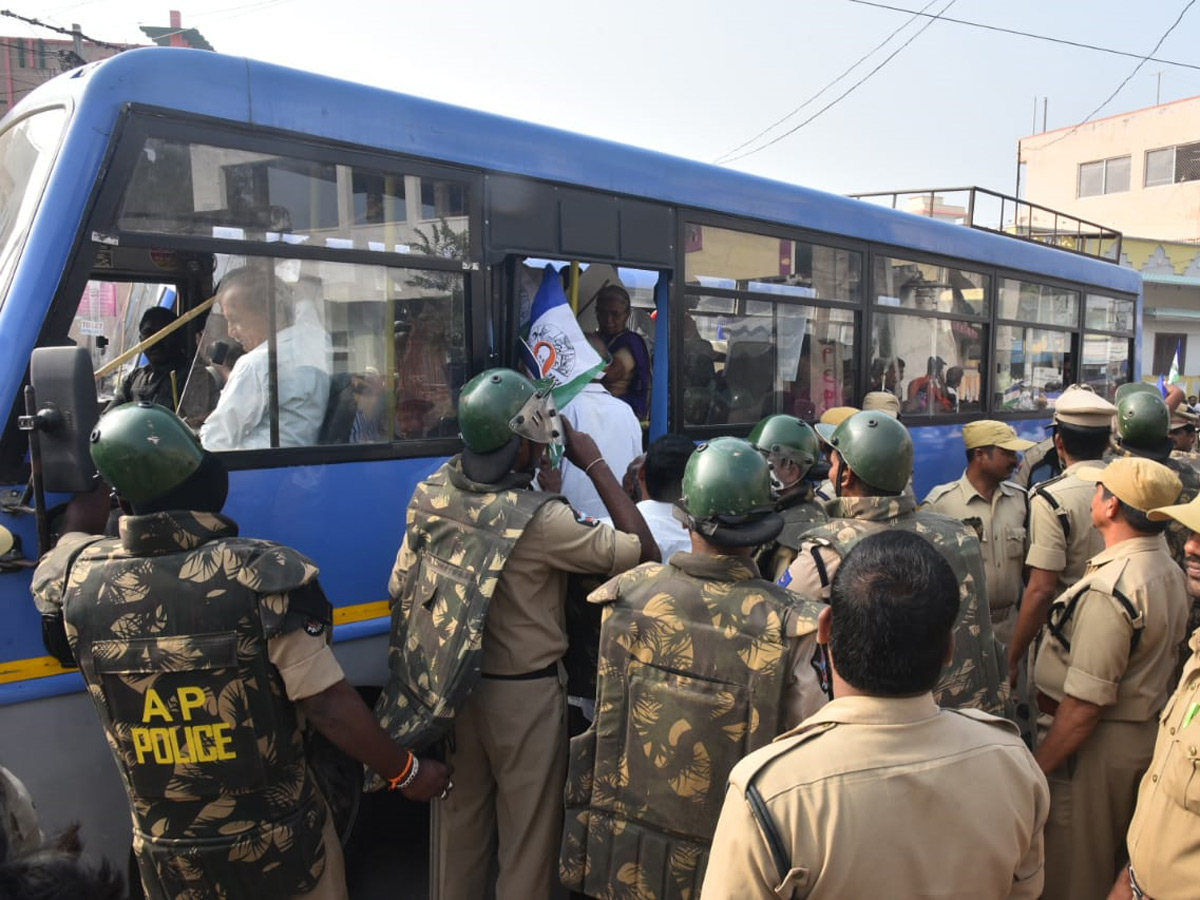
point(247, 91)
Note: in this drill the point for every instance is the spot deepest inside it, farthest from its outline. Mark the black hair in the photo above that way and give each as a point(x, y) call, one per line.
point(665, 461)
point(1134, 517)
point(614, 290)
point(204, 490)
point(1082, 442)
point(894, 601)
point(156, 318)
point(55, 872)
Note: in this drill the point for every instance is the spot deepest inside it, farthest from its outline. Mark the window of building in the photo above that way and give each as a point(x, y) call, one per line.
point(1171, 165)
point(1105, 176)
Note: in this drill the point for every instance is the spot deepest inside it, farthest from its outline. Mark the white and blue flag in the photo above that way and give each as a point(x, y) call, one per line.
point(554, 344)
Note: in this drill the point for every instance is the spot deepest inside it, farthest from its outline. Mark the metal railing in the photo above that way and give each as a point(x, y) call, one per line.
point(986, 210)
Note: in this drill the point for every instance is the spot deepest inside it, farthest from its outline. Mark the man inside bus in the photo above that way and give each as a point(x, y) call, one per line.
point(242, 417)
point(204, 654)
point(871, 465)
point(649, 771)
point(480, 542)
point(169, 377)
point(628, 378)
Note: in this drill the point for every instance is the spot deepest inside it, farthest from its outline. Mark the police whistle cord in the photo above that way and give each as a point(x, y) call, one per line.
point(155, 338)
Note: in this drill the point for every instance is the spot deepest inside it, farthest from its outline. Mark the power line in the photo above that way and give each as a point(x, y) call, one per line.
point(838, 99)
point(1026, 34)
point(856, 64)
point(1120, 87)
point(67, 31)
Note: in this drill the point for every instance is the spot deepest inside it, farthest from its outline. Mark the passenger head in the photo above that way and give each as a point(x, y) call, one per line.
point(664, 465)
point(504, 419)
point(892, 607)
point(245, 295)
point(168, 351)
point(155, 463)
point(612, 310)
point(727, 496)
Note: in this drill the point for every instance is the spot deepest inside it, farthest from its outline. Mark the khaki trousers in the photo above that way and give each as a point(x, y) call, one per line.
point(332, 885)
point(1092, 797)
point(510, 766)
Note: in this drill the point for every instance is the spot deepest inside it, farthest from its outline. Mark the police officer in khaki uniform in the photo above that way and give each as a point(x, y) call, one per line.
point(881, 793)
point(832, 418)
point(1164, 836)
point(790, 447)
point(985, 499)
point(650, 769)
point(474, 527)
point(204, 653)
point(1102, 674)
point(1061, 536)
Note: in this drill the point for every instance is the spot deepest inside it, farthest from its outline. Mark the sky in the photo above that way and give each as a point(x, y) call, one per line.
point(698, 78)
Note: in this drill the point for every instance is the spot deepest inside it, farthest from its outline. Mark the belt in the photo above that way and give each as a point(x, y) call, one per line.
point(1047, 704)
point(545, 672)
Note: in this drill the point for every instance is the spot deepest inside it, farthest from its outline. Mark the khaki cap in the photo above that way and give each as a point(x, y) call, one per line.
point(882, 401)
point(1182, 419)
point(1080, 405)
point(1186, 513)
point(990, 433)
point(831, 419)
point(1142, 483)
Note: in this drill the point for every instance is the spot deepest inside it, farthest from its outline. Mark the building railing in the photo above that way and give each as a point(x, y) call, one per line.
point(986, 210)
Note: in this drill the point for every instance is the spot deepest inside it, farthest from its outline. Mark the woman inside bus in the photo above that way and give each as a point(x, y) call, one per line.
point(629, 375)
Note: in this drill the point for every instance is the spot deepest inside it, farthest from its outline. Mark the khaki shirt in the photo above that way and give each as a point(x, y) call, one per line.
point(1002, 536)
point(305, 662)
point(526, 624)
point(884, 797)
point(1164, 837)
point(1101, 662)
point(1050, 546)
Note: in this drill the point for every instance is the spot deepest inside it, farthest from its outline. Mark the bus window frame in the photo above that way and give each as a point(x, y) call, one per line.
point(687, 216)
point(138, 123)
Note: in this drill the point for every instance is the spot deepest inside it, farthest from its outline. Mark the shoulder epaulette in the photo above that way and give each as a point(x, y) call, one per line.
point(987, 719)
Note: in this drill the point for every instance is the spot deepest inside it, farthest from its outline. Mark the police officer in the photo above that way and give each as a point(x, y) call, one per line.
point(1061, 536)
point(790, 448)
point(985, 499)
point(201, 650)
point(832, 418)
point(1102, 674)
point(1143, 430)
point(700, 661)
point(872, 465)
point(880, 793)
point(479, 586)
point(1164, 836)
point(1183, 437)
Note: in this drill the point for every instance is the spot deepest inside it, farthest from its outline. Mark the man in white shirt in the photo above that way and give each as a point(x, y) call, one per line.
point(242, 419)
point(660, 483)
point(616, 431)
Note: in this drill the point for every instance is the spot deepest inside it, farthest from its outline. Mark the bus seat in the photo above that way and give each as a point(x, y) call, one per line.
point(339, 410)
point(749, 376)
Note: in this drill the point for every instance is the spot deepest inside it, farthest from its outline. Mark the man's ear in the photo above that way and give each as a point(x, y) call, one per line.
point(824, 625)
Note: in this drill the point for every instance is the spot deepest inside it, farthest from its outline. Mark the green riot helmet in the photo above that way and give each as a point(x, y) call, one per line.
point(1135, 387)
point(1143, 421)
point(727, 494)
point(786, 437)
point(144, 450)
point(497, 404)
point(877, 448)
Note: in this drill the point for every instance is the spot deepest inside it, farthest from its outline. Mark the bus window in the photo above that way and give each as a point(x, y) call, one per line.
point(1032, 367)
point(210, 191)
point(26, 153)
point(1105, 363)
point(1025, 301)
point(930, 353)
point(332, 353)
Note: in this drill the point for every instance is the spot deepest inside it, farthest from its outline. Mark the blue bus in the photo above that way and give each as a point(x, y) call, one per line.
point(409, 235)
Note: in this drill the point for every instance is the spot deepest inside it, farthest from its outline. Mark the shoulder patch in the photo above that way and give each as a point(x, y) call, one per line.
point(785, 579)
point(584, 519)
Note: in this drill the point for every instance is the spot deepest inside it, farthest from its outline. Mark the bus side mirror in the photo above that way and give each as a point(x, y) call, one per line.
point(64, 389)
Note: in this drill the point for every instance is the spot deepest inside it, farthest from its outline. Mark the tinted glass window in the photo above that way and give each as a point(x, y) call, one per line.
point(932, 365)
point(1108, 313)
point(1032, 365)
point(930, 287)
point(1026, 301)
point(1105, 363)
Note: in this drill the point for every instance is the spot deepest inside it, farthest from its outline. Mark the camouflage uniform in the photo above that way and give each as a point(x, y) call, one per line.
point(457, 541)
point(695, 663)
point(800, 512)
point(976, 676)
point(170, 624)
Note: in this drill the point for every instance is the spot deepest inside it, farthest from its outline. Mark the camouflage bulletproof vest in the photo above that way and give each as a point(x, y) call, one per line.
point(976, 677)
point(170, 626)
point(461, 533)
point(691, 679)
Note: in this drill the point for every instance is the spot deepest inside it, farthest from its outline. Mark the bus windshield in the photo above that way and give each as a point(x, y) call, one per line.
point(26, 153)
